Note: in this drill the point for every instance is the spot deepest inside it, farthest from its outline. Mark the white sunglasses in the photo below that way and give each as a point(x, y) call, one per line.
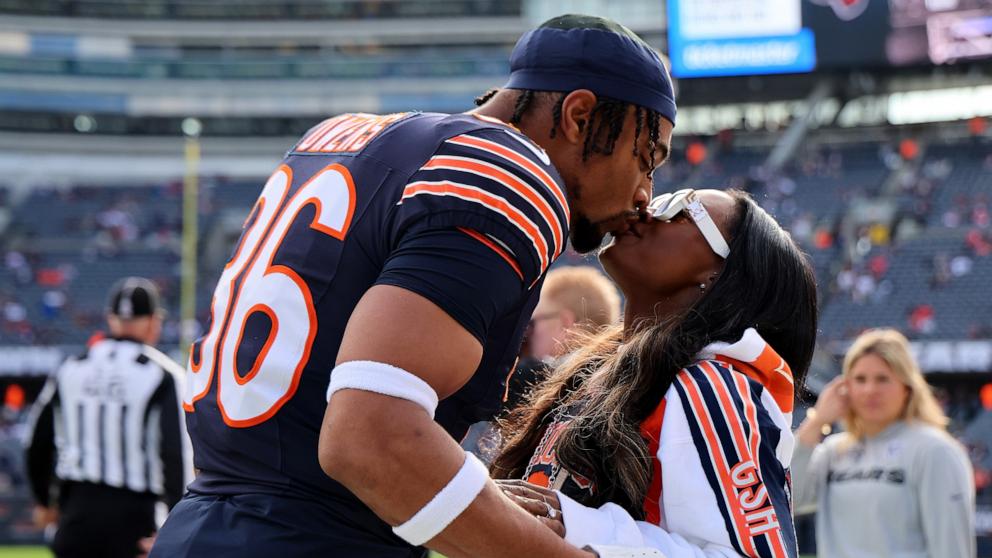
point(667, 206)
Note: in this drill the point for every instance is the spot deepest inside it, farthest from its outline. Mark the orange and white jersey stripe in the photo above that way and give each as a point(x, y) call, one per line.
point(507, 184)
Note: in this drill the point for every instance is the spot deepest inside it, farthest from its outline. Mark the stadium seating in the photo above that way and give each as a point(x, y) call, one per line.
point(259, 9)
point(103, 233)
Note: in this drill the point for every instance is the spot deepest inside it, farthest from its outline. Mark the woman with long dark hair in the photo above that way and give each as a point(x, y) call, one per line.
point(673, 431)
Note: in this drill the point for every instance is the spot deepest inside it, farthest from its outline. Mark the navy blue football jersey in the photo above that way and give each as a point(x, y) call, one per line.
point(460, 209)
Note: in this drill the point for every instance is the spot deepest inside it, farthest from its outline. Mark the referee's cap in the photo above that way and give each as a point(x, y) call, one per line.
point(133, 297)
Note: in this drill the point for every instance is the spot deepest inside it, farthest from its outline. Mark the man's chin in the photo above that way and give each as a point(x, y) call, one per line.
point(585, 236)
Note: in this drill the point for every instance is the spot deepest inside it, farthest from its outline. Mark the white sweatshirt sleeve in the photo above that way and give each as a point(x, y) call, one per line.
point(612, 525)
point(947, 501)
point(809, 471)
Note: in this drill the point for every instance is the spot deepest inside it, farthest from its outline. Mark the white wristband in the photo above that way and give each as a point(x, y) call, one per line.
point(386, 379)
point(447, 504)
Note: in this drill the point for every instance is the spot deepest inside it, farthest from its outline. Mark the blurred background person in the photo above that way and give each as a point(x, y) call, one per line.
point(108, 440)
point(576, 302)
point(573, 300)
point(894, 483)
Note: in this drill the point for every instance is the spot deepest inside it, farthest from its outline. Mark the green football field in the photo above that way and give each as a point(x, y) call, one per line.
point(24, 552)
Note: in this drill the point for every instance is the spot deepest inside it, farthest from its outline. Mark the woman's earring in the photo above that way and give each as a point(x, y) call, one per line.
point(702, 287)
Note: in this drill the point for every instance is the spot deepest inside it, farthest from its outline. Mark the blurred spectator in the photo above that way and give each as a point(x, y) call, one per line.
point(985, 396)
point(13, 404)
point(575, 301)
point(909, 149)
point(695, 153)
point(977, 126)
point(940, 273)
point(864, 288)
point(879, 265)
point(845, 279)
point(878, 233)
point(15, 318)
point(894, 452)
point(17, 264)
point(50, 277)
point(922, 319)
point(119, 222)
point(823, 239)
point(980, 215)
point(979, 243)
point(52, 303)
point(961, 265)
point(952, 217)
point(802, 228)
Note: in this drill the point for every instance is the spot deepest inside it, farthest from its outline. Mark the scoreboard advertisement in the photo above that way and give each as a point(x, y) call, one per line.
point(709, 38)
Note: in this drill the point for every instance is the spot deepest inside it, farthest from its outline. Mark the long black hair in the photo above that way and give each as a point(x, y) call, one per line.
point(766, 283)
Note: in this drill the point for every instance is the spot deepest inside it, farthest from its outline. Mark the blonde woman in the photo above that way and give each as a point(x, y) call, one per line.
point(894, 483)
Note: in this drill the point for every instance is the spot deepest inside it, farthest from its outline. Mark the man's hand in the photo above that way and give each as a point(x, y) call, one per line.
point(145, 545)
point(538, 501)
point(43, 517)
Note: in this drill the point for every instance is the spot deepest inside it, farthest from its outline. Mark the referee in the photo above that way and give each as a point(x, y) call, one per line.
point(108, 440)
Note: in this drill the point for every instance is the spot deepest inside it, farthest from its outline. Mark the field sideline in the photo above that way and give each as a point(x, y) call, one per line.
point(24, 552)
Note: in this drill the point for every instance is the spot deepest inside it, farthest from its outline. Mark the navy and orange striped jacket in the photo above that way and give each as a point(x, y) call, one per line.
point(721, 444)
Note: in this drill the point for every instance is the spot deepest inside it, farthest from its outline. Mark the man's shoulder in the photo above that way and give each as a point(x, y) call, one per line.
point(500, 182)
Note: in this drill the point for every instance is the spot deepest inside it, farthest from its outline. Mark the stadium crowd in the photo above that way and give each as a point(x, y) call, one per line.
point(939, 235)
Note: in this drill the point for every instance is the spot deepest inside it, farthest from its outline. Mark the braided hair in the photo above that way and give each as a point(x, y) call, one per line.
point(606, 121)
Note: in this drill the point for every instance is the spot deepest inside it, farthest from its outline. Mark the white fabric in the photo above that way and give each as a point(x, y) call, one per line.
point(747, 349)
point(447, 504)
point(623, 552)
point(708, 228)
point(384, 379)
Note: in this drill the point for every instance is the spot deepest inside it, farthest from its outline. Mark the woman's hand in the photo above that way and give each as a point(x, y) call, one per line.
point(540, 502)
point(833, 402)
point(831, 406)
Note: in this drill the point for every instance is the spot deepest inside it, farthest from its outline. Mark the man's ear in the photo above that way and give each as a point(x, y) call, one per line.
point(576, 111)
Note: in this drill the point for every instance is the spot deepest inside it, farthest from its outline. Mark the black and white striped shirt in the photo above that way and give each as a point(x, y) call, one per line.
point(112, 416)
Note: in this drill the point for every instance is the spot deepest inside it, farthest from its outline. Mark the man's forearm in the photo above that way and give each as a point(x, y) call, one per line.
point(398, 465)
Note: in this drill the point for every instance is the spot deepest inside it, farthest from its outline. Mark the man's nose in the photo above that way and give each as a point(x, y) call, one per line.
point(642, 196)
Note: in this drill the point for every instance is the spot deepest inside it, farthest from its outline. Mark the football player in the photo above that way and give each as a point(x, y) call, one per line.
point(375, 303)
